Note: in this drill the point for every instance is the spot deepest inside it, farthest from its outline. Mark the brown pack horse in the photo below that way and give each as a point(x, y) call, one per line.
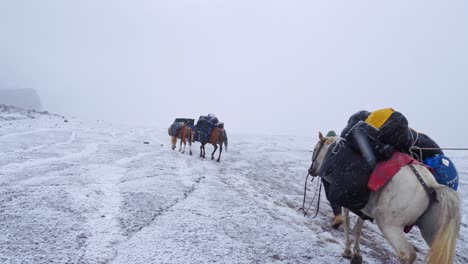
point(185, 134)
point(217, 137)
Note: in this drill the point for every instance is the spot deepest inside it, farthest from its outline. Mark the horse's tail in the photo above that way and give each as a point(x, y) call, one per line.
point(443, 247)
point(225, 139)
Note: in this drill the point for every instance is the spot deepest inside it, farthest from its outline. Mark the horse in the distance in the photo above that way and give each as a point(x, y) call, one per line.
point(402, 202)
point(185, 134)
point(217, 137)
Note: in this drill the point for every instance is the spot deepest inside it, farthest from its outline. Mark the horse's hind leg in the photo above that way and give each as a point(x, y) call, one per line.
point(357, 258)
point(395, 236)
point(429, 223)
point(185, 143)
point(220, 151)
point(190, 146)
point(180, 149)
point(440, 226)
point(215, 148)
point(347, 251)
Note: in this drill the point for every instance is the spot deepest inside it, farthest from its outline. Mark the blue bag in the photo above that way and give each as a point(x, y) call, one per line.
point(444, 170)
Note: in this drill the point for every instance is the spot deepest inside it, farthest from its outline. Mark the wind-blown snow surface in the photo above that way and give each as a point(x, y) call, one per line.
point(94, 193)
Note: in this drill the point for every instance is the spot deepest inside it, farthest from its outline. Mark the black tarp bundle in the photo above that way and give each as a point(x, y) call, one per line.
point(175, 128)
point(177, 125)
point(397, 133)
point(203, 128)
point(346, 171)
point(188, 121)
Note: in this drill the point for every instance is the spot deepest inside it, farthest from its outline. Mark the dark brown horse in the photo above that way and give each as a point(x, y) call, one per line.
point(185, 134)
point(217, 137)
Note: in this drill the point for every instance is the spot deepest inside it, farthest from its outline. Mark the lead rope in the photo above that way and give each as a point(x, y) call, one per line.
point(318, 202)
point(305, 194)
point(414, 147)
point(306, 211)
point(412, 150)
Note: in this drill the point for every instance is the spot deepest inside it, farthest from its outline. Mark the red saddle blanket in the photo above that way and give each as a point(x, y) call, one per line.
point(385, 170)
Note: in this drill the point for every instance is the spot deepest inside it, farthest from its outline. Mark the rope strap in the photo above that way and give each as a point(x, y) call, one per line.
point(415, 147)
point(429, 190)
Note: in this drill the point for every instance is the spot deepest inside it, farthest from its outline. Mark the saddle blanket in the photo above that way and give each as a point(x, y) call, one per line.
point(385, 170)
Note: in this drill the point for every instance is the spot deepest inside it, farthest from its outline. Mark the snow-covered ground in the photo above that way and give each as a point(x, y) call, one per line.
point(77, 192)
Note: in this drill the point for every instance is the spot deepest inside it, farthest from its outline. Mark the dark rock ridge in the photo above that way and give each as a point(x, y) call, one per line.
point(22, 98)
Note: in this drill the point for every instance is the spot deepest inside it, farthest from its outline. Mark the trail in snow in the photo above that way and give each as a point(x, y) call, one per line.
point(94, 193)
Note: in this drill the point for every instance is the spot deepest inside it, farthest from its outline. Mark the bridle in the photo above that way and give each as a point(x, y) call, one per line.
point(316, 153)
point(314, 159)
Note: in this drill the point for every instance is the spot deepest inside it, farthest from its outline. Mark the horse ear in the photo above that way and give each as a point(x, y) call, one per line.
point(321, 136)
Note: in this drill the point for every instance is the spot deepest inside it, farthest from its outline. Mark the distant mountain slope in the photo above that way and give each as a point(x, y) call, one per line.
point(22, 98)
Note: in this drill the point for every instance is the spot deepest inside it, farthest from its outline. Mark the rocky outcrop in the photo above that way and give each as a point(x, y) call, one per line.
point(23, 98)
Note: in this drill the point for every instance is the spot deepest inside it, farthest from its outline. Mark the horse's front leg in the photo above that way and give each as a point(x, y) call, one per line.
point(202, 150)
point(347, 252)
point(215, 148)
point(173, 142)
point(357, 258)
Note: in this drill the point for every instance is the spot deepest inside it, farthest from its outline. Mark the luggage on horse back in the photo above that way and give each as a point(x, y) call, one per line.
point(347, 181)
point(178, 124)
point(188, 121)
point(367, 139)
point(204, 126)
point(444, 170)
point(395, 131)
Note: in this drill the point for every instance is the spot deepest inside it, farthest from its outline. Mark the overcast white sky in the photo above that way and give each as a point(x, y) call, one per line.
point(265, 66)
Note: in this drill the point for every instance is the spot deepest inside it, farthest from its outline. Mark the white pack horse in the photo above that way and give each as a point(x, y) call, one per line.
point(402, 202)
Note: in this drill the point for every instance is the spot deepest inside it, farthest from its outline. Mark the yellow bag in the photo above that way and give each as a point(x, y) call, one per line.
point(378, 118)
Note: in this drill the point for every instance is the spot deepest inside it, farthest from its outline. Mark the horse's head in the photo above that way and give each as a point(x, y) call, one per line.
point(320, 150)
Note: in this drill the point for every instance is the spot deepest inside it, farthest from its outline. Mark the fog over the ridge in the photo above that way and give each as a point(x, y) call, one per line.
point(272, 67)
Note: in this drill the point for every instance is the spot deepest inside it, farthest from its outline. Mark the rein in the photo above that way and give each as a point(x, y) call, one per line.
point(305, 194)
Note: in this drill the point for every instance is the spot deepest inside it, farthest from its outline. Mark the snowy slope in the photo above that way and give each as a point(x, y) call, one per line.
point(74, 192)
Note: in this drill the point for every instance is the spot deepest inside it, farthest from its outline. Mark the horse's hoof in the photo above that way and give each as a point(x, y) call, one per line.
point(217, 160)
point(347, 254)
point(337, 221)
point(357, 259)
point(190, 153)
